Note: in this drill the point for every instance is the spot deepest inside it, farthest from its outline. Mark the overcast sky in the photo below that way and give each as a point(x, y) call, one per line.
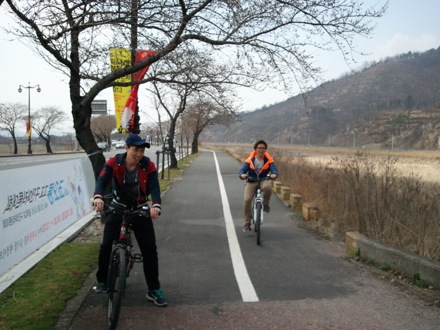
point(408, 26)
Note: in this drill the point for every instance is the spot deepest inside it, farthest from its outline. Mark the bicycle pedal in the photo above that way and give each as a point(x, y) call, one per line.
point(137, 257)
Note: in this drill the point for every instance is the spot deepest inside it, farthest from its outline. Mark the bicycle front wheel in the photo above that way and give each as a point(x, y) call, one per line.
point(258, 210)
point(117, 276)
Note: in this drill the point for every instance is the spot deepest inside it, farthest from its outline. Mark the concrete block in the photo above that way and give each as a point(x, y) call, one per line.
point(285, 193)
point(277, 186)
point(402, 261)
point(351, 245)
point(310, 211)
point(296, 201)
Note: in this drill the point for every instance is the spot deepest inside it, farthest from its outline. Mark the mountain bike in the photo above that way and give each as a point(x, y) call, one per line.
point(122, 259)
point(257, 206)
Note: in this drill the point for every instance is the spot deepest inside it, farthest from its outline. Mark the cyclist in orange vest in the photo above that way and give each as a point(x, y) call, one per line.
point(259, 164)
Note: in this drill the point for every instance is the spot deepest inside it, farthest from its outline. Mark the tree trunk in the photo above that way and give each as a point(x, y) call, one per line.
point(48, 147)
point(195, 143)
point(82, 110)
point(173, 162)
point(81, 119)
point(47, 142)
point(14, 139)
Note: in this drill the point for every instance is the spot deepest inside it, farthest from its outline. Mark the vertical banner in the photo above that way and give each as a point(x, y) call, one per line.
point(120, 58)
point(126, 97)
point(28, 128)
point(127, 118)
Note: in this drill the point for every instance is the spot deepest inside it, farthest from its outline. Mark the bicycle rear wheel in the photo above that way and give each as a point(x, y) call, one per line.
point(258, 222)
point(116, 285)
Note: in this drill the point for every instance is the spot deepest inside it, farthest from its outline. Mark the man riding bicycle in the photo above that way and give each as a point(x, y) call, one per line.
point(259, 164)
point(134, 177)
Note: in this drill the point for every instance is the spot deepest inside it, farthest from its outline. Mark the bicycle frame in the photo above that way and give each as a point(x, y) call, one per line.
point(258, 199)
point(257, 207)
point(121, 262)
point(125, 243)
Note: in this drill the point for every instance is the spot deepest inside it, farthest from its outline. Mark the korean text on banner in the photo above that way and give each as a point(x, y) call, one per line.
point(39, 204)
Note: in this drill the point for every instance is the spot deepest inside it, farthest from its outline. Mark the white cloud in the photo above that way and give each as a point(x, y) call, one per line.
point(402, 43)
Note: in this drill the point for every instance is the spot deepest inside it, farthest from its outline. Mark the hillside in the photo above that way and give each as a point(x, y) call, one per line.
point(390, 104)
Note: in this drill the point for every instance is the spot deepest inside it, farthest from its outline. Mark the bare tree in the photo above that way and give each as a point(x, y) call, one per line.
point(262, 39)
point(44, 120)
point(162, 126)
point(102, 127)
point(204, 113)
point(195, 75)
point(10, 114)
point(152, 133)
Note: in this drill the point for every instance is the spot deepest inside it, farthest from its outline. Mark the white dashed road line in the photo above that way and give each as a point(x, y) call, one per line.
point(244, 282)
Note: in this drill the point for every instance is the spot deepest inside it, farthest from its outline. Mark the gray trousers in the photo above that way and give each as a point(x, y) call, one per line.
point(249, 191)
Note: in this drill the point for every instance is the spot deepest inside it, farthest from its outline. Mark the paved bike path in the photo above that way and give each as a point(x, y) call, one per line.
point(300, 280)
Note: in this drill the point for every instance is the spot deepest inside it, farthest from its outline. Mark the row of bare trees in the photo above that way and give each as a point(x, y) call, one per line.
point(42, 121)
point(199, 113)
point(253, 43)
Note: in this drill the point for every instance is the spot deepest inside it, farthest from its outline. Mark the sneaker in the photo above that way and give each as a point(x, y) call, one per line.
point(157, 297)
point(247, 227)
point(266, 208)
point(100, 288)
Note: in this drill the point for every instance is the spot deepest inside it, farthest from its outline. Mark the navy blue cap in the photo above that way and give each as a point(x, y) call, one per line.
point(136, 140)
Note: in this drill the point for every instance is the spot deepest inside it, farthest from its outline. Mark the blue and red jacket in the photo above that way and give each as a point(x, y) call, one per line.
point(115, 169)
point(248, 167)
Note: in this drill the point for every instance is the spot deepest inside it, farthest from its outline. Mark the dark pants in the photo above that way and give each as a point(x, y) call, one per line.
point(144, 232)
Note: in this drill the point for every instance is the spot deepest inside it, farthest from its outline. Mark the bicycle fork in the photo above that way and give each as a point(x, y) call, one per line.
point(258, 200)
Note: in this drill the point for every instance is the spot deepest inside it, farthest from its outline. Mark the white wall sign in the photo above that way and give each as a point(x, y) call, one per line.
point(36, 204)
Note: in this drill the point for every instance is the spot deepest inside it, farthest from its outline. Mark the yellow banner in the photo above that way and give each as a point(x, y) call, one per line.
point(120, 58)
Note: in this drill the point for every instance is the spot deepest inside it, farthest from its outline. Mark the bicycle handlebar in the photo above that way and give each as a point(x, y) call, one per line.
point(251, 179)
point(142, 210)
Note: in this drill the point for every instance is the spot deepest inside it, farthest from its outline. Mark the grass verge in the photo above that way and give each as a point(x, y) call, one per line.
point(175, 173)
point(36, 300)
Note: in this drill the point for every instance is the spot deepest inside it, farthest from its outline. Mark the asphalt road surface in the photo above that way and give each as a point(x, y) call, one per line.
point(216, 277)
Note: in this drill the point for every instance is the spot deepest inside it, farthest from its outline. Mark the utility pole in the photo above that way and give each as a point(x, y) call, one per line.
point(134, 46)
point(29, 124)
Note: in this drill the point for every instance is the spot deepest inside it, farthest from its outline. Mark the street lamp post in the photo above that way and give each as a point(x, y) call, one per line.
point(29, 87)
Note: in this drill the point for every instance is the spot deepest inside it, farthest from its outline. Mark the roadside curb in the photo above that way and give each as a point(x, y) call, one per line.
point(402, 261)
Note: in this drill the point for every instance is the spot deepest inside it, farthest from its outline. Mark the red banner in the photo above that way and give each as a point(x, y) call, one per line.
point(28, 128)
point(127, 118)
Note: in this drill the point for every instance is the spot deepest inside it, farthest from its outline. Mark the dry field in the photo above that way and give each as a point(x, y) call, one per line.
point(424, 164)
point(7, 149)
